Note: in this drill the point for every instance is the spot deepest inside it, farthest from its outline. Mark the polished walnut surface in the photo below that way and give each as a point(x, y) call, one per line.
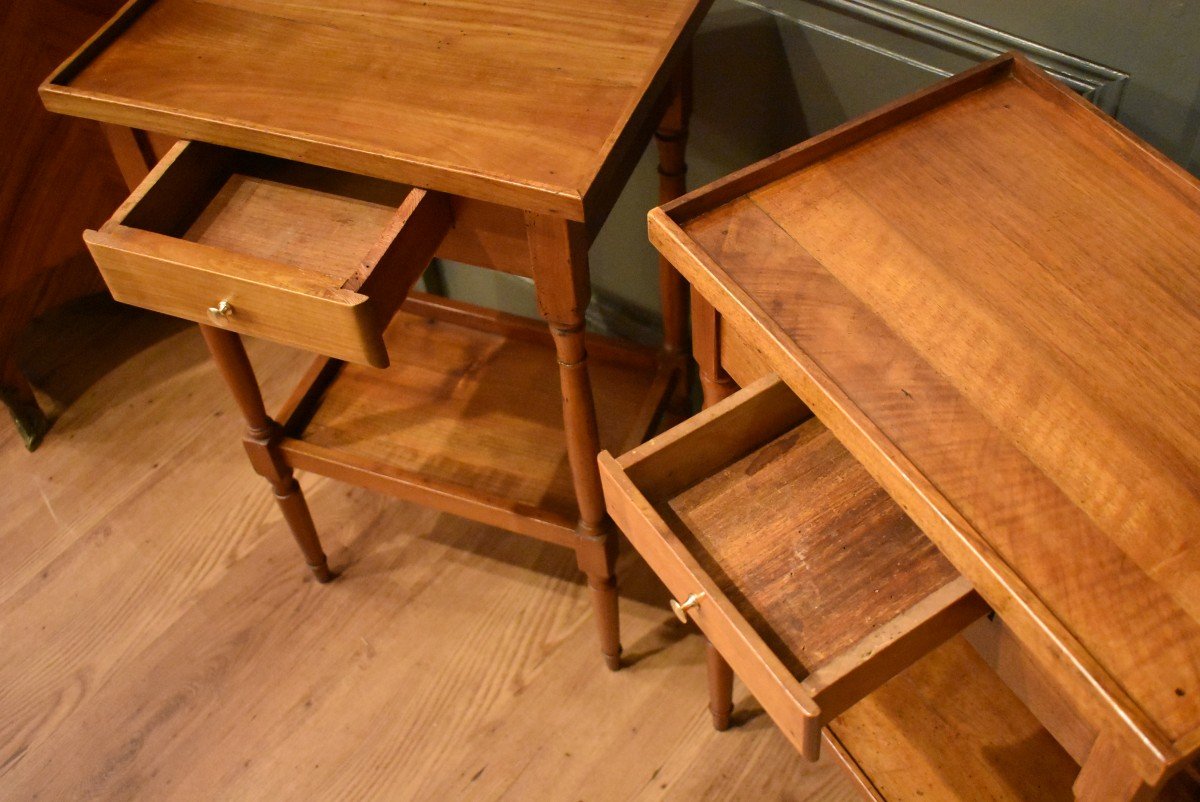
point(531, 103)
point(989, 293)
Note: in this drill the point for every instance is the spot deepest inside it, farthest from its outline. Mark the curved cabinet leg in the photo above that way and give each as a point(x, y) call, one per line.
point(720, 688)
point(17, 395)
point(558, 251)
point(261, 433)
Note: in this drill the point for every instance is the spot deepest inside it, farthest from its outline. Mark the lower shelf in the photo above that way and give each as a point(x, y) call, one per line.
point(468, 417)
point(949, 728)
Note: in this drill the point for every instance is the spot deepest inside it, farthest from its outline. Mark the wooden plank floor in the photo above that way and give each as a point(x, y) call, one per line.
point(160, 638)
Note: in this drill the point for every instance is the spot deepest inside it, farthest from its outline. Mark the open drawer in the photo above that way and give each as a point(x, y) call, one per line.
point(302, 255)
point(800, 569)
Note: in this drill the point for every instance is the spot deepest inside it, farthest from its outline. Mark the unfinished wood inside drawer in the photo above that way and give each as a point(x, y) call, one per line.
point(810, 580)
point(307, 256)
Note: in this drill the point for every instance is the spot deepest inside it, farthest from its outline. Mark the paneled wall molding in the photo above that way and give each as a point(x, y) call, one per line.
point(939, 43)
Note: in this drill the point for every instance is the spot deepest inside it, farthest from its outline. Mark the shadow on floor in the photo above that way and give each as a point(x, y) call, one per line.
point(69, 349)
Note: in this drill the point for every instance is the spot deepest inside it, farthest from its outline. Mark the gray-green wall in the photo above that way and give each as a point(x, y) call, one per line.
point(770, 73)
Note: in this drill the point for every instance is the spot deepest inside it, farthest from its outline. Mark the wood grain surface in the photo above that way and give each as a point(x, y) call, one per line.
point(988, 293)
point(316, 224)
point(539, 104)
point(812, 577)
point(157, 643)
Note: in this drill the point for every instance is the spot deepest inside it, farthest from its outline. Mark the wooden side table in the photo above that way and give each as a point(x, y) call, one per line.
point(291, 217)
point(979, 302)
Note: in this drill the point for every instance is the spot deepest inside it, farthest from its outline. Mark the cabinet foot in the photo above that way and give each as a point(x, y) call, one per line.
point(16, 394)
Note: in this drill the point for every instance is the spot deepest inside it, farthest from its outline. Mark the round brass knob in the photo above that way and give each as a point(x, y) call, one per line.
point(221, 312)
point(680, 608)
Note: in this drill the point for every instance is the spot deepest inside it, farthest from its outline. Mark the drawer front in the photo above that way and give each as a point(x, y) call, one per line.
point(764, 675)
point(186, 280)
point(309, 257)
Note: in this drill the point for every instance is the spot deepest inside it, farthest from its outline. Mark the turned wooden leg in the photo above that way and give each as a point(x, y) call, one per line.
point(558, 249)
point(671, 137)
point(17, 395)
point(706, 347)
point(720, 688)
point(596, 551)
point(261, 435)
point(716, 384)
point(597, 558)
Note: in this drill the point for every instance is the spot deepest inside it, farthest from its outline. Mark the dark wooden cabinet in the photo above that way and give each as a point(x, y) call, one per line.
point(58, 178)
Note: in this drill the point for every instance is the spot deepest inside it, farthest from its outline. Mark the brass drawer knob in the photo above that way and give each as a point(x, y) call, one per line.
point(221, 312)
point(680, 608)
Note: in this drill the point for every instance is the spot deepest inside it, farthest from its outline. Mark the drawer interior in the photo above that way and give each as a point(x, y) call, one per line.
point(812, 579)
point(319, 220)
point(769, 513)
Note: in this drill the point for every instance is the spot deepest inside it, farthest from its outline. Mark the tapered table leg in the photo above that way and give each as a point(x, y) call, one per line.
point(261, 433)
point(720, 688)
point(560, 272)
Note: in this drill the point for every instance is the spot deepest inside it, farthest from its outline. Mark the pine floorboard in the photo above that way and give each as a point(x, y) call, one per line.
point(160, 638)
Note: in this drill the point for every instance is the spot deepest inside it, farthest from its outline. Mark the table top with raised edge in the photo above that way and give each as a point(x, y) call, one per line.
point(535, 104)
point(989, 292)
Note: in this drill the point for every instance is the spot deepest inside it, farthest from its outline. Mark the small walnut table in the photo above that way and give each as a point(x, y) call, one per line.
point(970, 321)
point(336, 147)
